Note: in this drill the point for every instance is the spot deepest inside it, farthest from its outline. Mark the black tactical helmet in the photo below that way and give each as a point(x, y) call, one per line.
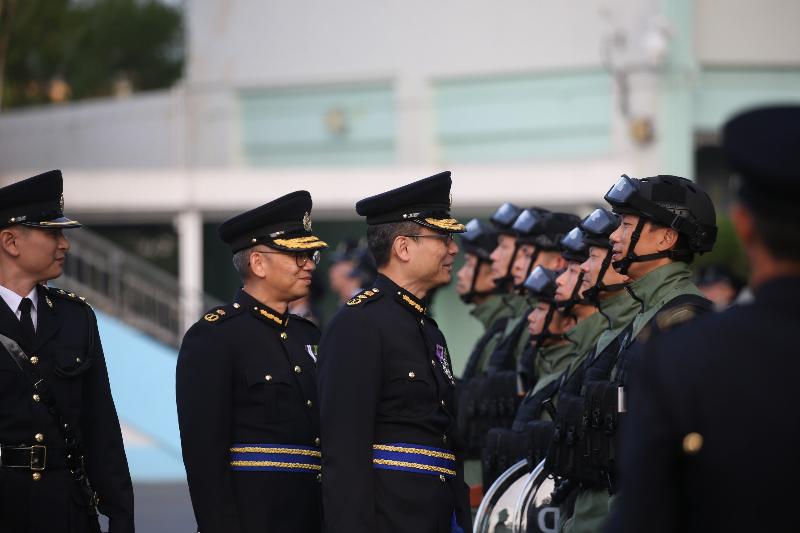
point(479, 239)
point(671, 201)
point(504, 218)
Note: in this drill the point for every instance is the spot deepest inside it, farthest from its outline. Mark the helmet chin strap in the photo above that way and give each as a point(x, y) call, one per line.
point(534, 256)
point(624, 264)
point(592, 294)
point(546, 334)
point(472, 293)
point(567, 305)
point(503, 285)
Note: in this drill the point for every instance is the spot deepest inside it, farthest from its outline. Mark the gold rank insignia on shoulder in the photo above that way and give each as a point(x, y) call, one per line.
point(211, 317)
point(363, 296)
point(66, 295)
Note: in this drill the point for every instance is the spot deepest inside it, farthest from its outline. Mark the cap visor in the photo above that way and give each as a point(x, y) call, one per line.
point(61, 222)
point(298, 244)
point(449, 225)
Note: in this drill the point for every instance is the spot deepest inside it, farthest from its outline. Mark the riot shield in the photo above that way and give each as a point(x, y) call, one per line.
point(497, 508)
point(533, 512)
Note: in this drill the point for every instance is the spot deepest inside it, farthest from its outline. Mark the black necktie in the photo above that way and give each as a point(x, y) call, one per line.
point(26, 322)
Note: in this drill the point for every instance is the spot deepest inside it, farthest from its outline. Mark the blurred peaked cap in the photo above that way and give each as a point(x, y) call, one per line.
point(346, 250)
point(763, 147)
point(283, 224)
point(36, 202)
point(426, 202)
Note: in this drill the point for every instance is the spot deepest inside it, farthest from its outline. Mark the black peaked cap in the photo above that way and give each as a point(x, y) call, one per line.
point(426, 202)
point(283, 224)
point(36, 201)
point(763, 147)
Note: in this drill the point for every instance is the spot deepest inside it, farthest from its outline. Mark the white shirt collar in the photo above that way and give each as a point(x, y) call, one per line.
point(12, 299)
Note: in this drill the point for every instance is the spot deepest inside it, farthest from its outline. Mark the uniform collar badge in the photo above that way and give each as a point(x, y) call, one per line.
point(441, 355)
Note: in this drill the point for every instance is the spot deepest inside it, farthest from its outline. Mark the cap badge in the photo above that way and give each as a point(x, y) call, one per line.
point(450, 200)
point(61, 204)
point(307, 221)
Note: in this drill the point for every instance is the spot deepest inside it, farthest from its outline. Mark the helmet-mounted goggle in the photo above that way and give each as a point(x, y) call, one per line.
point(505, 216)
point(598, 227)
point(573, 246)
point(541, 283)
point(529, 223)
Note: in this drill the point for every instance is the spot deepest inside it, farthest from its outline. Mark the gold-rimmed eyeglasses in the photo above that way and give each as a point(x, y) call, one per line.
point(300, 258)
point(446, 238)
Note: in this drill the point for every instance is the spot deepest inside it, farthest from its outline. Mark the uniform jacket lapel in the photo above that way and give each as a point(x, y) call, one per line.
point(48, 321)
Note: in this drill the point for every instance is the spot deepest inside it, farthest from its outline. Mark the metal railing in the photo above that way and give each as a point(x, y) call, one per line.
point(123, 285)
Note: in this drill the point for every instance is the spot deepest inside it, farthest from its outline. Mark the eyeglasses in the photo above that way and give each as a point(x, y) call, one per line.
point(446, 238)
point(300, 258)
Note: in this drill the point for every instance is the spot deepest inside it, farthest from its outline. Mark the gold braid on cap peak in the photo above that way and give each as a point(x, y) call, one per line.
point(301, 243)
point(446, 223)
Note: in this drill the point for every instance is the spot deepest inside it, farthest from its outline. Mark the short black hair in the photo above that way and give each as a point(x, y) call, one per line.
point(380, 238)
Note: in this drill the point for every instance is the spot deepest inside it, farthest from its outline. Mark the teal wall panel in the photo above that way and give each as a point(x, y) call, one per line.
point(291, 126)
point(554, 115)
point(722, 92)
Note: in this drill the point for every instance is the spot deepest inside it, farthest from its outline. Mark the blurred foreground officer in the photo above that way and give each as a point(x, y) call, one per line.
point(60, 439)
point(246, 383)
point(386, 381)
point(714, 430)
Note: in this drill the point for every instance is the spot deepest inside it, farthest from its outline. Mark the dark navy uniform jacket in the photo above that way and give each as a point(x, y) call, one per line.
point(247, 375)
point(713, 434)
point(382, 382)
point(66, 353)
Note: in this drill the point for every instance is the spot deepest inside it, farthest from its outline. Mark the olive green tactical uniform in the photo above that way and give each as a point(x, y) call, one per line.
point(655, 290)
point(495, 307)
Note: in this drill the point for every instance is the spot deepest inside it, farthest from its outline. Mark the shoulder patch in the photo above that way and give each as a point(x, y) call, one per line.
point(670, 318)
point(61, 293)
point(363, 296)
point(222, 312)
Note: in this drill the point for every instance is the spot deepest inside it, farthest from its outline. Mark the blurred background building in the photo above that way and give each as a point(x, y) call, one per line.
point(532, 101)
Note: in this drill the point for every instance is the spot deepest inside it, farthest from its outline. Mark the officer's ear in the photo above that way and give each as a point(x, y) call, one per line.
point(9, 241)
point(401, 249)
point(258, 266)
point(666, 238)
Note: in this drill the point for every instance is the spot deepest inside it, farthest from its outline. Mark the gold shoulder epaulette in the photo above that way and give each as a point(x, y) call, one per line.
point(363, 296)
point(61, 293)
point(225, 311)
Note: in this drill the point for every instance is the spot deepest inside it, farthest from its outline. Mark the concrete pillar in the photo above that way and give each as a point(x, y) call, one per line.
point(189, 225)
point(415, 124)
point(676, 119)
